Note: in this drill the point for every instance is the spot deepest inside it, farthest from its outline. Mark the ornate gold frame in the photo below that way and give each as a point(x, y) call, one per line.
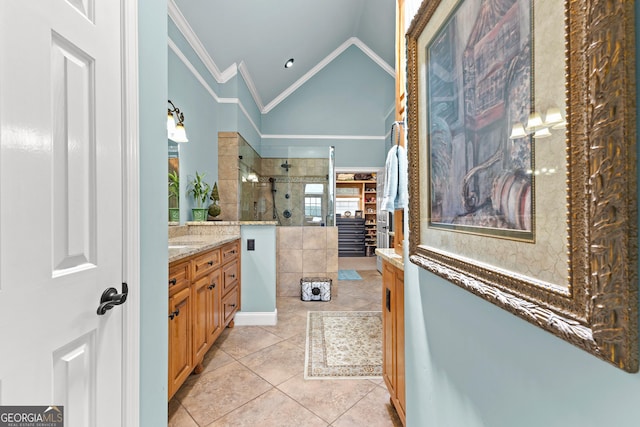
point(599, 312)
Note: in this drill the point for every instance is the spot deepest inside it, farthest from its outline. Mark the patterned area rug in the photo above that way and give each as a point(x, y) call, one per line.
point(348, 275)
point(343, 345)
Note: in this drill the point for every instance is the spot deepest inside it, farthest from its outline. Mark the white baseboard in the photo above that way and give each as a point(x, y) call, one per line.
point(264, 318)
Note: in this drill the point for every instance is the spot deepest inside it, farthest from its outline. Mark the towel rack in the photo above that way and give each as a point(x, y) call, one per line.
point(393, 125)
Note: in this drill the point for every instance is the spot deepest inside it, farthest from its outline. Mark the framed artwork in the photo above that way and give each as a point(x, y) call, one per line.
point(358, 214)
point(522, 167)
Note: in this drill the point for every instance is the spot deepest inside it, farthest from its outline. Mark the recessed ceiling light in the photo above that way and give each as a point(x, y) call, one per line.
point(289, 63)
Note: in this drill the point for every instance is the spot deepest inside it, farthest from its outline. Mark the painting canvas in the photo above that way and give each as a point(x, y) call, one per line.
point(479, 86)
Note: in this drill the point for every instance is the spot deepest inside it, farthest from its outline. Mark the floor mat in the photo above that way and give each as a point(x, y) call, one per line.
point(348, 275)
point(343, 345)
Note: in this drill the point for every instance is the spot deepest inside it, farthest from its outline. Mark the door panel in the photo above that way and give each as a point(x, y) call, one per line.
point(61, 207)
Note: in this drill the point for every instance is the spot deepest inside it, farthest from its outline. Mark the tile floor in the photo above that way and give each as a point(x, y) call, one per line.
point(253, 375)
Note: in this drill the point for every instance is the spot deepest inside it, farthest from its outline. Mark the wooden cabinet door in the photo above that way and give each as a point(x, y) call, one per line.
point(231, 304)
point(399, 344)
point(180, 347)
point(200, 295)
point(214, 310)
point(388, 354)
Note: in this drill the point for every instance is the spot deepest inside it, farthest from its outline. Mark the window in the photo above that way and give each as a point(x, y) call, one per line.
point(313, 200)
point(313, 206)
point(351, 204)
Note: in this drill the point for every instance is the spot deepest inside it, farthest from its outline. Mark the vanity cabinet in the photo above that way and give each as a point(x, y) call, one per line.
point(393, 369)
point(180, 324)
point(204, 295)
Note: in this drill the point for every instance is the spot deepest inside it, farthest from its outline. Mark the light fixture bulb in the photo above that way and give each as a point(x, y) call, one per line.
point(517, 131)
point(534, 122)
point(542, 133)
point(553, 116)
point(180, 135)
point(289, 63)
point(561, 125)
point(171, 123)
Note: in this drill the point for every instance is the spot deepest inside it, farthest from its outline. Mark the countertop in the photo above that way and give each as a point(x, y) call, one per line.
point(184, 246)
point(392, 257)
point(227, 223)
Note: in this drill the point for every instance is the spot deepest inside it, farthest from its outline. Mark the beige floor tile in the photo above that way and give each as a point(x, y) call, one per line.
point(209, 396)
point(300, 340)
point(277, 363)
point(270, 409)
point(215, 358)
point(239, 393)
point(178, 416)
point(374, 410)
point(327, 399)
point(289, 324)
point(243, 340)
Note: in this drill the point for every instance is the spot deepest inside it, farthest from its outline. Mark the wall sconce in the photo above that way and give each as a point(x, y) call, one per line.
point(540, 129)
point(176, 131)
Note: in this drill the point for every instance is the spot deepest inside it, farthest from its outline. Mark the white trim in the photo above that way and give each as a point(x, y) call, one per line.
point(374, 57)
point(183, 26)
point(244, 72)
point(265, 318)
point(222, 77)
point(365, 137)
point(326, 61)
point(174, 47)
point(130, 220)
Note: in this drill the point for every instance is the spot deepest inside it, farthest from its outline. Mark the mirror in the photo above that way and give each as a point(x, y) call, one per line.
point(522, 173)
point(174, 183)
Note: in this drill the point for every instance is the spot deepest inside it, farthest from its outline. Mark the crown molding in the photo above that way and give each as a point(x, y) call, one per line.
point(208, 88)
point(224, 76)
point(326, 61)
point(246, 75)
point(361, 137)
point(183, 25)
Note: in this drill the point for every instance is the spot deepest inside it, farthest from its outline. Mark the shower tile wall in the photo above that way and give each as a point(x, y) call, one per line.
point(302, 251)
point(228, 152)
point(305, 252)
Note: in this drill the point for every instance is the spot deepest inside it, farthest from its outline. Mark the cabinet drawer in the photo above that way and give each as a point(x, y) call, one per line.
point(230, 304)
point(230, 276)
point(206, 263)
point(178, 276)
point(230, 251)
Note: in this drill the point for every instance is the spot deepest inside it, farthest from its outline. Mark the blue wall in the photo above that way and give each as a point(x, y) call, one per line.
point(259, 269)
point(470, 363)
point(345, 105)
point(200, 111)
point(152, 47)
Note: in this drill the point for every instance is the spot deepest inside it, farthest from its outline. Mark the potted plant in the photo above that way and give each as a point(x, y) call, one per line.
point(214, 208)
point(174, 197)
point(199, 189)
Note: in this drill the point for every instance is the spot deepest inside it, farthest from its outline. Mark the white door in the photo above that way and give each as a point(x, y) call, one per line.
point(61, 207)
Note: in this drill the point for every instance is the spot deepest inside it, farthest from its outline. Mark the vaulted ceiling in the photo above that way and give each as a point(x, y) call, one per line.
point(259, 36)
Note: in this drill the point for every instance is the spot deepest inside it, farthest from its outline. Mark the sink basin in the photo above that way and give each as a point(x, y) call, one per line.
point(183, 245)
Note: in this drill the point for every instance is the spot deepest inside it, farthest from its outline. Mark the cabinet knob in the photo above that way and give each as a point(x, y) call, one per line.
point(173, 281)
point(233, 276)
point(210, 262)
point(232, 305)
point(174, 314)
point(211, 286)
